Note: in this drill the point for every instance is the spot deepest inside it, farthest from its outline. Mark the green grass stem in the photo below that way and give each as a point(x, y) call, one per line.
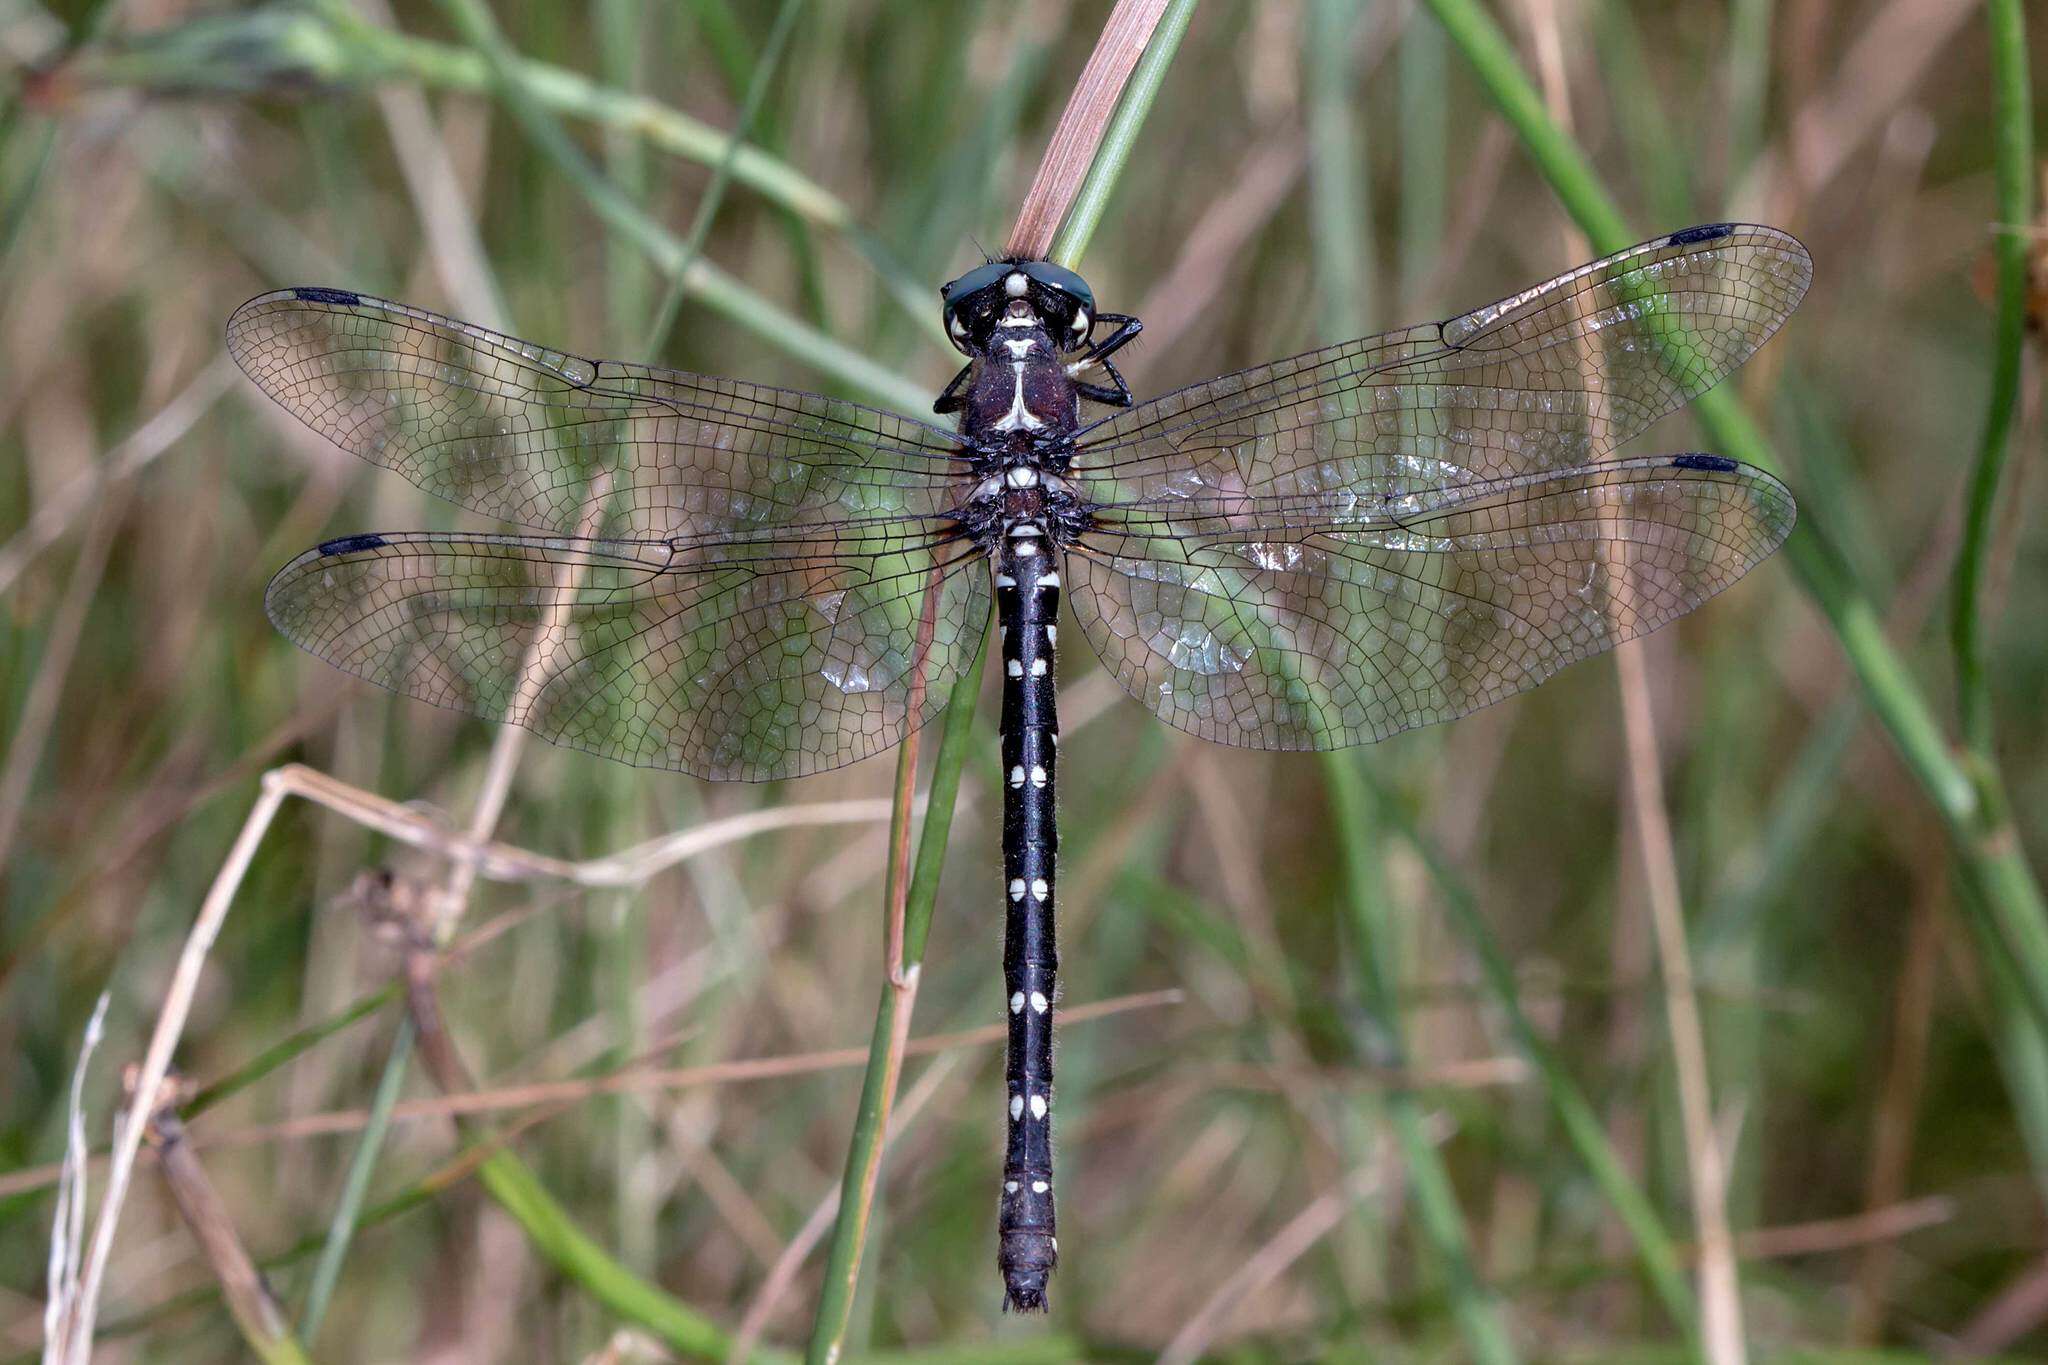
point(1655, 1248)
point(1341, 228)
point(698, 277)
point(553, 1233)
point(348, 1209)
point(1429, 1183)
point(863, 1149)
point(1968, 795)
point(2013, 155)
point(1071, 241)
point(721, 173)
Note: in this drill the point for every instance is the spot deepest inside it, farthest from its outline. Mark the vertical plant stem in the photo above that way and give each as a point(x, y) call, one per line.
point(1581, 1124)
point(356, 1184)
point(1436, 1202)
point(1968, 796)
point(721, 174)
point(1749, 73)
point(2013, 142)
point(1121, 135)
point(892, 1024)
point(1339, 221)
point(697, 276)
point(1706, 1164)
point(1424, 128)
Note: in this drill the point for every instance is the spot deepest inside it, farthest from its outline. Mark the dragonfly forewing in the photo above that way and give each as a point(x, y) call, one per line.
point(528, 434)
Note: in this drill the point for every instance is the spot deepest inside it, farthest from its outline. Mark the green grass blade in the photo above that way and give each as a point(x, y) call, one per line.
point(842, 1261)
point(721, 173)
point(1339, 222)
point(697, 277)
point(1341, 228)
point(1071, 241)
point(348, 1209)
point(2013, 144)
point(1968, 796)
point(285, 1050)
point(552, 1232)
point(1357, 836)
point(1655, 1248)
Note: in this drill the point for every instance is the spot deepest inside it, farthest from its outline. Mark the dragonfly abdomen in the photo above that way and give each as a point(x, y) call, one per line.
point(1027, 603)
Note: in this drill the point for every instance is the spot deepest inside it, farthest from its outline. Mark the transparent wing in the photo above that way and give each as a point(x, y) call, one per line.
point(524, 433)
point(751, 657)
point(1399, 530)
point(1315, 621)
point(1551, 378)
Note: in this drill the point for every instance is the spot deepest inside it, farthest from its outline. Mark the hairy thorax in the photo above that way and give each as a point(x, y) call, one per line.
point(1019, 415)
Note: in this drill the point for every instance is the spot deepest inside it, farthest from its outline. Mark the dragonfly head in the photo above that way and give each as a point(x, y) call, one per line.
point(1016, 294)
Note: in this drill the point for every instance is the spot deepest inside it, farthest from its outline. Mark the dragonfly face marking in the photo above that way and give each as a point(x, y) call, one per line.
point(1319, 552)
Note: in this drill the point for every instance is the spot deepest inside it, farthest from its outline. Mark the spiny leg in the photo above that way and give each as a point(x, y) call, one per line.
point(1118, 397)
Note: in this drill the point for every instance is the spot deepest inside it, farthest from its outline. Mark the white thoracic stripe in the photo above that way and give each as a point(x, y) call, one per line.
point(1018, 416)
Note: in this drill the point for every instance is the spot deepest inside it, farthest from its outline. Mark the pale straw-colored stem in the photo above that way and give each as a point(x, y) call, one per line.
point(156, 1063)
point(1720, 1287)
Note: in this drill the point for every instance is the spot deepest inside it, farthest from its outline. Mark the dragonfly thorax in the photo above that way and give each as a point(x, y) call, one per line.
point(1026, 489)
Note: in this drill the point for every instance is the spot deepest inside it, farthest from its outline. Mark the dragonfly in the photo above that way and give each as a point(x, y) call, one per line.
point(752, 583)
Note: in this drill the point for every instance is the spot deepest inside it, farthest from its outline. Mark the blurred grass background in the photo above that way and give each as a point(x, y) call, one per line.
point(1309, 171)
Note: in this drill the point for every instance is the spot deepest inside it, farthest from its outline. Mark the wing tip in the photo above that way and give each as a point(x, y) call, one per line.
point(1755, 234)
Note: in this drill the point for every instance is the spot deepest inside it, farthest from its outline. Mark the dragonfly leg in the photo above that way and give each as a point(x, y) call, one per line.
point(1127, 327)
point(1118, 397)
point(1115, 394)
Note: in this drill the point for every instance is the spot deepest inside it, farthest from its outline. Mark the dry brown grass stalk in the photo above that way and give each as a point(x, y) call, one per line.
point(1071, 150)
point(249, 1301)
